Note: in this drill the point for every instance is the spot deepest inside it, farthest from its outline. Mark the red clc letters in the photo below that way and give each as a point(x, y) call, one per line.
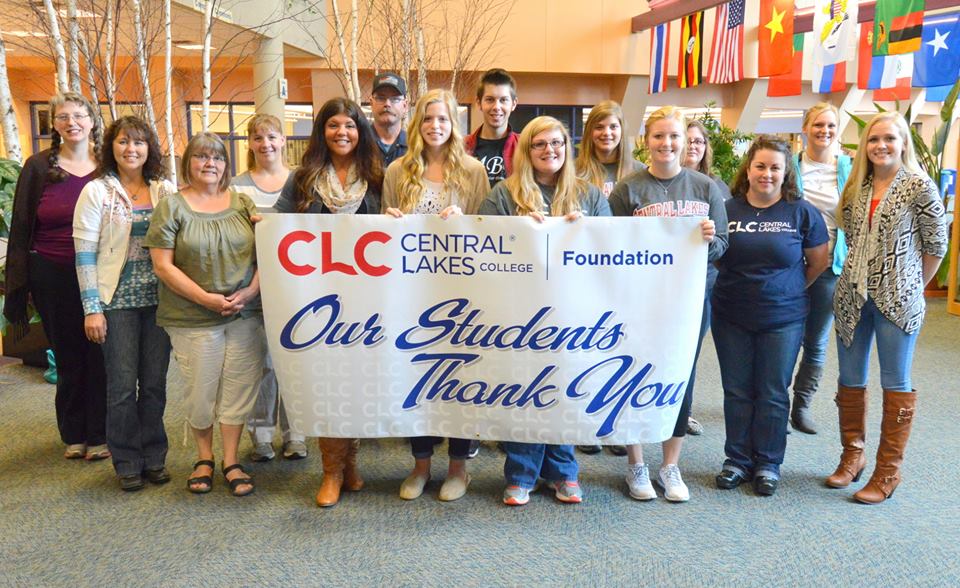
point(327, 264)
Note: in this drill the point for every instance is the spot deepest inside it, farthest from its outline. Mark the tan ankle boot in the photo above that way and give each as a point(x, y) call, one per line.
point(852, 408)
point(351, 477)
point(898, 410)
point(334, 455)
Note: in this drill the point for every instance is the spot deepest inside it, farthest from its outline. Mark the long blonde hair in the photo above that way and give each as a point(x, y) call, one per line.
point(522, 184)
point(588, 166)
point(664, 113)
point(863, 167)
point(410, 187)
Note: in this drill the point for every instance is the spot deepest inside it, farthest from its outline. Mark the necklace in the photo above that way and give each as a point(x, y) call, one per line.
point(670, 183)
point(136, 193)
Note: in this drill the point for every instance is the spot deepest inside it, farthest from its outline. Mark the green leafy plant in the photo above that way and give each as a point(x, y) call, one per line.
point(930, 157)
point(723, 140)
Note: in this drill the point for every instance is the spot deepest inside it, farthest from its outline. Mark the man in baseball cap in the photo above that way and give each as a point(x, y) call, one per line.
point(388, 101)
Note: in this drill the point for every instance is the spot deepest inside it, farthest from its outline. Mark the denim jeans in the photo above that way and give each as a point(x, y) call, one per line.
point(528, 461)
point(816, 331)
point(422, 447)
point(136, 351)
point(81, 397)
point(894, 350)
point(755, 368)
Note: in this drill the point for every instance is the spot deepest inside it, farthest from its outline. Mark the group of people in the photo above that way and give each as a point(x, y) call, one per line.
point(125, 269)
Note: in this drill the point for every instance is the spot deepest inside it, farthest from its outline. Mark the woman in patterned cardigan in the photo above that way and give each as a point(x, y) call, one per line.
point(894, 220)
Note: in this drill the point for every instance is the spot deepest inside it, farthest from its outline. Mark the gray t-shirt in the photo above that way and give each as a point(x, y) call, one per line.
point(500, 202)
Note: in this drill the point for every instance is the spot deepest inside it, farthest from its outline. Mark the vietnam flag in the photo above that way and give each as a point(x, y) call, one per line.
point(690, 71)
point(897, 26)
point(775, 37)
point(789, 83)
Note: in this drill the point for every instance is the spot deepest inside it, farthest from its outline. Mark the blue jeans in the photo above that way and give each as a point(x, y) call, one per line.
point(136, 351)
point(816, 331)
point(755, 368)
point(894, 350)
point(528, 461)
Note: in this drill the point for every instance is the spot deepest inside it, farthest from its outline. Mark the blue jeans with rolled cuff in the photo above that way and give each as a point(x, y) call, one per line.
point(755, 368)
point(136, 353)
point(895, 349)
point(528, 461)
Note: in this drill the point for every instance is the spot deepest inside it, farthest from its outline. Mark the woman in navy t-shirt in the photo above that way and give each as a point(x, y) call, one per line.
point(778, 247)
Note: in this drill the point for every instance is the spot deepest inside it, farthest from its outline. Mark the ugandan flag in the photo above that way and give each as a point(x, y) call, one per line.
point(897, 26)
point(690, 72)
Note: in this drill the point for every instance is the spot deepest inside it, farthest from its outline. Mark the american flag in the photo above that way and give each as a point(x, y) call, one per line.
point(659, 42)
point(726, 57)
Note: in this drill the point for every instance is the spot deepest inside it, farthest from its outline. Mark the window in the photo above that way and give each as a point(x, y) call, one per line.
point(229, 121)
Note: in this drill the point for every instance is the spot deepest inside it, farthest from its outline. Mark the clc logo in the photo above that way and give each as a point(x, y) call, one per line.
point(327, 264)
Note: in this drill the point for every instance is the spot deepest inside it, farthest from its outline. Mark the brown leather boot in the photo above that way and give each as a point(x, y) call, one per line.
point(852, 407)
point(334, 455)
point(351, 477)
point(898, 410)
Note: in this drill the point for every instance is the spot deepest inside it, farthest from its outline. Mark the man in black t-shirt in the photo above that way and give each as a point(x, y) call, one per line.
point(494, 142)
point(388, 101)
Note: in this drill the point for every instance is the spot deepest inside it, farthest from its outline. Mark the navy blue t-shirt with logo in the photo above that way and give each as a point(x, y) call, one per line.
point(762, 280)
point(490, 154)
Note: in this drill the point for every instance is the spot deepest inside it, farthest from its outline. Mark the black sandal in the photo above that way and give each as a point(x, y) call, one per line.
point(234, 483)
point(201, 484)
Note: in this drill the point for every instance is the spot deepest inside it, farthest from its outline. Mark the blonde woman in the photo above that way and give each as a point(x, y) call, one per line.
point(266, 174)
point(602, 160)
point(435, 176)
point(544, 183)
point(821, 174)
point(897, 234)
point(666, 188)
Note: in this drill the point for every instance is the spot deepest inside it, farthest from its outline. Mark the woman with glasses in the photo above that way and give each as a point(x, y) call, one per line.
point(666, 188)
point(266, 174)
point(119, 293)
point(201, 243)
point(40, 264)
point(893, 216)
point(544, 183)
point(435, 176)
point(339, 174)
point(821, 175)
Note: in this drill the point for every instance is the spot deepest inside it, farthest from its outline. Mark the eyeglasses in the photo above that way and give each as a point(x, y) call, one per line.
point(205, 157)
point(76, 116)
point(556, 145)
point(391, 99)
point(700, 142)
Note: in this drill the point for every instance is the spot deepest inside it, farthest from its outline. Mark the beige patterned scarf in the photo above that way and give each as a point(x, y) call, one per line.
point(337, 198)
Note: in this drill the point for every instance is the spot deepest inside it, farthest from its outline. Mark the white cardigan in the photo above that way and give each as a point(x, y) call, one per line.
point(104, 215)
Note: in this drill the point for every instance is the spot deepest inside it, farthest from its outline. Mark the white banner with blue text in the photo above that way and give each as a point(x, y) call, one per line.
point(496, 328)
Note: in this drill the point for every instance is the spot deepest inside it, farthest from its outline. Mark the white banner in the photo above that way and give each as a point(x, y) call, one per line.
point(482, 327)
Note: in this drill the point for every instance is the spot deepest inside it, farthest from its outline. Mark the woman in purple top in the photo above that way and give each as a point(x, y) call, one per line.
point(40, 264)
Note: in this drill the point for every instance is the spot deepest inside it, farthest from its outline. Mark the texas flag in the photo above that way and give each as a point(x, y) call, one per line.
point(937, 63)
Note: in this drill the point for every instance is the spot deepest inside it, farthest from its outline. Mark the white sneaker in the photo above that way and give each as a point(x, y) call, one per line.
point(674, 489)
point(638, 480)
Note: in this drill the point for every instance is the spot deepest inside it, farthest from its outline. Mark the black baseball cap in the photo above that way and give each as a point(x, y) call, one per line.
point(391, 80)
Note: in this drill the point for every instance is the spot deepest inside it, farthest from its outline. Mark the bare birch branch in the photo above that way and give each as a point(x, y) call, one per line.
point(73, 41)
point(58, 52)
point(205, 63)
point(168, 91)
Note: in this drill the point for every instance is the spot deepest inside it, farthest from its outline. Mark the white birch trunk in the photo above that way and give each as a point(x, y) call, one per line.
point(109, 61)
point(341, 47)
point(168, 89)
point(91, 78)
point(422, 61)
point(406, 42)
point(59, 55)
point(11, 133)
point(354, 78)
point(205, 59)
point(143, 64)
point(73, 40)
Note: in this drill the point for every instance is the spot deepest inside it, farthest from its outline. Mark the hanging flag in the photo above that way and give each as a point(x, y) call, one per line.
point(726, 57)
point(829, 78)
point(789, 84)
point(937, 63)
point(659, 42)
point(775, 37)
point(938, 93)
point(690, 71)
point(897, 26)
point(834, 28)
point(902, 73)
point(875, 72)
